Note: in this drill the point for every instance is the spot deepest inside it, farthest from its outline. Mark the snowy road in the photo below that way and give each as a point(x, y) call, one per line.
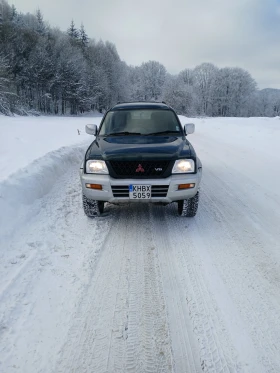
point(142, 290)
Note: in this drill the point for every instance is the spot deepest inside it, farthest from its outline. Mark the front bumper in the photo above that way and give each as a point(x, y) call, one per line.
point(107, 194)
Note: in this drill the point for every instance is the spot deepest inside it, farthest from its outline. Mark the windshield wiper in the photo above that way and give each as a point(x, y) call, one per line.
point(124, 133)
point(161, 133)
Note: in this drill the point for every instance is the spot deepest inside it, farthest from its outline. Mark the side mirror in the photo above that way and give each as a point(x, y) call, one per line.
point(91, 129)
point(189, 128)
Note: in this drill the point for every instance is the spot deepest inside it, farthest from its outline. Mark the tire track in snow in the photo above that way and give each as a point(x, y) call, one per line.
point(195, 330)
point(196, 285)
point(50, 246)
point(121, 324)
point(259, 307)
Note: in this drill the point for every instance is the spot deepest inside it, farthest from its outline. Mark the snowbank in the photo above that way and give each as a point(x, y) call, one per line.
point(34, 153)
point(20, 191)
point(254, 134)
point(24, 139)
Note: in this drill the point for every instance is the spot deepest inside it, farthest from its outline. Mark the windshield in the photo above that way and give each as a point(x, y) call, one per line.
point(140, 122)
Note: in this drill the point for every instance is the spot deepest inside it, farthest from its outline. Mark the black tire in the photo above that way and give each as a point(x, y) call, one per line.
point(92, 208)
point(188, 207)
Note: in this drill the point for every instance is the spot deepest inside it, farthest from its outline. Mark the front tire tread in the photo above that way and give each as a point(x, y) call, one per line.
point(92, 208)
point(188, 207)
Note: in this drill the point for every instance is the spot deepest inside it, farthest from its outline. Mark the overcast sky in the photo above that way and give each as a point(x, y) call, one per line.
point(179, 33)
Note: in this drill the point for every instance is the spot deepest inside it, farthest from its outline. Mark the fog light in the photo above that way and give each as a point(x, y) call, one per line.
point(94, 186)
point(185, 186)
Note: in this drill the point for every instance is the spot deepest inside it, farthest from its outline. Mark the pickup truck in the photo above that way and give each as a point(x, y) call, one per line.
point(140, 154)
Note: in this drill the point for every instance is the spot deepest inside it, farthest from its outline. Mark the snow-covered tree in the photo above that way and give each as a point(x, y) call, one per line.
point(266, 103)
point(233, 91)
point(84, 39)
point(50, 71)
point(136, 89)
point(204, 77)
point(72, 31)
point(41, 28)
point(5, 107)
point(152, 77)
point(187, 77)
point(180, 95)
point(13, 13)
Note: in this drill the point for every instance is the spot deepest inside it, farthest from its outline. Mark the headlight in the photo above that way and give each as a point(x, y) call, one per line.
point(183, 166)
point(96, 167)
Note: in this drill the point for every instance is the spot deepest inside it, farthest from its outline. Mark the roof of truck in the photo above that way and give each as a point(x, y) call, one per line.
point(141, 105)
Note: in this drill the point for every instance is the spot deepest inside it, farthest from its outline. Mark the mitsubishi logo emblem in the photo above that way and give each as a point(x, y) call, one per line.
point(139, 168)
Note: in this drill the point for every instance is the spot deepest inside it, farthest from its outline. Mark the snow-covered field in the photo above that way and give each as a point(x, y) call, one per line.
point(139, 289)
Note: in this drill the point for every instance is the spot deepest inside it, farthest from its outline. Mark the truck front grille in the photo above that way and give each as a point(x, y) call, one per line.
point(159, 190)
point(139, 169)
point(122, 191)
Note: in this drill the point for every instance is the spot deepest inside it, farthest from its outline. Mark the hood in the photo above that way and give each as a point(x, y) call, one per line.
point(139, 148)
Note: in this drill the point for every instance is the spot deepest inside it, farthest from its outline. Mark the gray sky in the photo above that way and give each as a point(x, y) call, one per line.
point(179, 33)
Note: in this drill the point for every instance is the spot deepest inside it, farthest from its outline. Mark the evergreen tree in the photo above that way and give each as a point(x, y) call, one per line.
point(45, 70)
point(72, 31)
point(83, 37)
point(1, 18)
point(41, 29)
point(4, 87)
point(13, 13)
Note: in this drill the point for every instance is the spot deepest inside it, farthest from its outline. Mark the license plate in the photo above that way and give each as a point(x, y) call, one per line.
point(140, 191)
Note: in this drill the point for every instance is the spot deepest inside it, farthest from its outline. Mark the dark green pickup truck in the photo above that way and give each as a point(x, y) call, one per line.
point(141, 154)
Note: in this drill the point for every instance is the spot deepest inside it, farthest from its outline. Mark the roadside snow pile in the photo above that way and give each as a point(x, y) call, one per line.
point(24, 139)
point(20, 191)
point(35, 152)
point(255, 134)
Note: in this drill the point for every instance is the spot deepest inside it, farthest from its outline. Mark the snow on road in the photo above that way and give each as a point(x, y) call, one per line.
point(141, 289)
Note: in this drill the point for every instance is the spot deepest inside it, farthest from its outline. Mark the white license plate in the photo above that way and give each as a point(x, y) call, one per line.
point(140, 191)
